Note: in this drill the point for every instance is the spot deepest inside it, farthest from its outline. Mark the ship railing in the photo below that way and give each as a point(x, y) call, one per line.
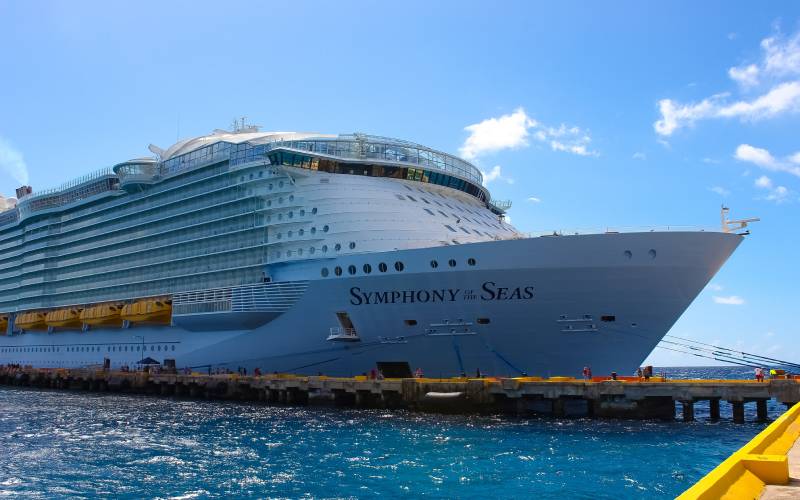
point(617, 229)
point(258, 297)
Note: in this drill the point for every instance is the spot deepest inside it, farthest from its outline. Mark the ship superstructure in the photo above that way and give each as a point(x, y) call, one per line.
point(310, 252)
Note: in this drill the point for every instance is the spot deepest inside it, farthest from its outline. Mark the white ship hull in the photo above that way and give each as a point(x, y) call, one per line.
point(539, 306)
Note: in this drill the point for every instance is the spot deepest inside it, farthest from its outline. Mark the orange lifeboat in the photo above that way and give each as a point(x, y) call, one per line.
point(3, 323)
point(31, 320)
point(102, 315)
point(157, 311)
point(64, 318)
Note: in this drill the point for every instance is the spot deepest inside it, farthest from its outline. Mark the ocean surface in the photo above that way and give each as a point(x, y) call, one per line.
point(74, 444)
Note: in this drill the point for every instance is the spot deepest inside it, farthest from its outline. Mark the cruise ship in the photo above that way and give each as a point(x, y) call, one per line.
point(334, 254)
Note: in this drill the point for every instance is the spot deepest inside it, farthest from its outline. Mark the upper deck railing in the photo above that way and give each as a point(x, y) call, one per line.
point(615, 230)
point(367, 147)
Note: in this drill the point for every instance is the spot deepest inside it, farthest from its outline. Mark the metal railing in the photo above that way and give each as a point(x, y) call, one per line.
point(617, 229)
point(260, 297)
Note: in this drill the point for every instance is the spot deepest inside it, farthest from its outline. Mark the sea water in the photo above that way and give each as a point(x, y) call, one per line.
point(76, 444)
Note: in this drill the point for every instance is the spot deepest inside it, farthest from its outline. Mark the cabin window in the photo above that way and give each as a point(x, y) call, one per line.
point(367, 269)
point(351, 269)
point(451, 262)
point(410, 322)
point(324, 272)
point(337, 271)
point(352, 245)
point(399, 266)
point(608, 317)
point(471, 261)
point(434, 264)
point(382, 267)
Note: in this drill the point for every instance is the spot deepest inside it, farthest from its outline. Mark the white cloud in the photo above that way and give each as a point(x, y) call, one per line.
point(494, 134)
point(715, 287)
point(639, 156)
point(783, 98)
point(795, 158)
point(782, 56)
point(764, 182)
point(710, 161)
point(6, 203)
point(513, 131)
point(534, 199)
point(776, 72)
point(495, 174)
point(719, 190)
point(746, 76)
point(766, 160)
point(778, 194)
point(731, 300)
point(12, 162)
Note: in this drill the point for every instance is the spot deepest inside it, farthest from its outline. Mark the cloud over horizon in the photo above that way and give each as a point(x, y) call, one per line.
point(776, 72)
point(513, 131)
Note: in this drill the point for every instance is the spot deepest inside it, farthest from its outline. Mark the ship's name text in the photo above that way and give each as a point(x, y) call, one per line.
point(489, 291)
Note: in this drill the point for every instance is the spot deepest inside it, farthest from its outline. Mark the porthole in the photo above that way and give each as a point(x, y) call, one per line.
point(280, 184)
point(471, 261)
point(291, 197)
point(279, 236)
point(337, 247)
point(434, 264)
point(324, 248)
point(302, 213)
point(312, 250)
point(289, 234)
point(351, 269)
point(269, 203)
point(652, 253)
point(325, 228)
point(173, 348)
point(628, 254)
point(313, 230)
point(382, 267)
point(367, 269)
point(299, 251)
point(271, 186)
point(288, 253)
point(301, 232)
point(324, 272)
point(280, 216)
point(451, 262)
point(337, 271)
point(352, 245)
point(410, 322)
point(314, 210)
point(483, 321)
point(291, 214)
point(280, 200)
point(398, 266)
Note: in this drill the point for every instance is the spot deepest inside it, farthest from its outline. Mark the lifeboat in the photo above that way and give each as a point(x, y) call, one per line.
point(102, 315)
point(158, 311)
point(64, 318)
point(3, 323)
point(31, 320)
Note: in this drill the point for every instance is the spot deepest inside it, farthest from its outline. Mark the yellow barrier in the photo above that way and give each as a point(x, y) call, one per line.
point(760, 462)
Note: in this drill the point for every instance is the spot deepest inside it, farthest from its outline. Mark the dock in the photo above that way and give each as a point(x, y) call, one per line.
point(631, 398)
point(767, 467)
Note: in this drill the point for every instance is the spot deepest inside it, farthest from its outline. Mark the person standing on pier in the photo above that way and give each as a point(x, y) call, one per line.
point(759, 374)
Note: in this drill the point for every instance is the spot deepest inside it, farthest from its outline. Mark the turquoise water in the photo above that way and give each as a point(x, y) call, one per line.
point(57, 444)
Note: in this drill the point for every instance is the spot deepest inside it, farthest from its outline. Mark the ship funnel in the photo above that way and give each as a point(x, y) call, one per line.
point(23, 191)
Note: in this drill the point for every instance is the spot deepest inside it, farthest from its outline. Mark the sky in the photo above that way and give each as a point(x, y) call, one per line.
point(586, 115)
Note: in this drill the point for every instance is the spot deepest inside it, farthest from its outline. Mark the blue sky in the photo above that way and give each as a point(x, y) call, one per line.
point(585, 115)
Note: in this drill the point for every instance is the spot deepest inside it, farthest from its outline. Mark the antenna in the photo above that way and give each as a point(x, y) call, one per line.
point(732, 226)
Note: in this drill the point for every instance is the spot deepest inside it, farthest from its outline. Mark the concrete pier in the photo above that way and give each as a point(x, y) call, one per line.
point(557, 396)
